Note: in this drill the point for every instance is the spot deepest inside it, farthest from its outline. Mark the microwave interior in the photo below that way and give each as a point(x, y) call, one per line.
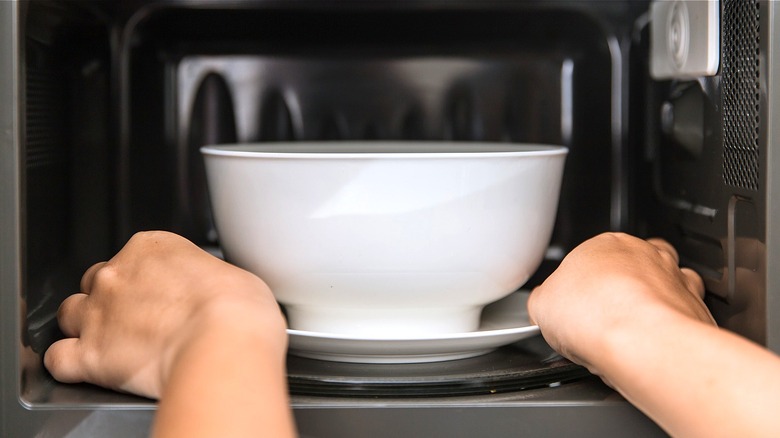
point(118, 97)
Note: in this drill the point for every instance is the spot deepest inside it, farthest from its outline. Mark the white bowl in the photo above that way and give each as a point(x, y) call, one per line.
point(385, 239)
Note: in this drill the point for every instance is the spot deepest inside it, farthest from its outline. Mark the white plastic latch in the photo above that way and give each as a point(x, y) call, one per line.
point(684, 38)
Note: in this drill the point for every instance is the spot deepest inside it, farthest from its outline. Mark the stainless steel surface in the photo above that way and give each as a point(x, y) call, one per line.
point(10, 236)
point(770, 135)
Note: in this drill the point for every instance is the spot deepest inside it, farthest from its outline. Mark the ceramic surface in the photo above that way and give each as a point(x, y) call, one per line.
point(502, 323)
point(386, 239)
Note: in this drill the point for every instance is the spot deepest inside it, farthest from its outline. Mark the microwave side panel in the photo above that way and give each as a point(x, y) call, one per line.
point(17, 419)
point(10, 277)
point(770, 136)
point(714, 194)
point(745, 298)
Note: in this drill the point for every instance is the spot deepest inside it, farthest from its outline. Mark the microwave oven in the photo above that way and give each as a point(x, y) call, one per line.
point(669, 110)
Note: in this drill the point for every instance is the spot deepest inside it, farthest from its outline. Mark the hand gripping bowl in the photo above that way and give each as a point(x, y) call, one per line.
point(385, 239)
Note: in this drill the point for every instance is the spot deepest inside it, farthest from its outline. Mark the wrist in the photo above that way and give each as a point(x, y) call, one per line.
point(225, 329)
point(236, 357)
point(633, 351)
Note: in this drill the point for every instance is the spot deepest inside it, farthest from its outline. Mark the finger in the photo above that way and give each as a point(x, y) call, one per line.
point(70, 315)
point(665, 247)
point(695, 282)
point(89, 276)
point(696, 286)
point(530, 306)
point(535, 304)
point(63, 361)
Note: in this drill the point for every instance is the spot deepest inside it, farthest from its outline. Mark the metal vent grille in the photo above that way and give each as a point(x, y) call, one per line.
point(740, 21)
point(45, 110)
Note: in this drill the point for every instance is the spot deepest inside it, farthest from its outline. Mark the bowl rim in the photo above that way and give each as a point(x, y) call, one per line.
point(368, 149)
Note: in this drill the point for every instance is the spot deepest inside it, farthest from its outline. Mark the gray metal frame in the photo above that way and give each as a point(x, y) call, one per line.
point(770, 136)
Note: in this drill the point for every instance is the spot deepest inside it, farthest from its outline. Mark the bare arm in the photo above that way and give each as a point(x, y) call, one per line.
point(621, 306)
point(228, 382)
point(164, 319)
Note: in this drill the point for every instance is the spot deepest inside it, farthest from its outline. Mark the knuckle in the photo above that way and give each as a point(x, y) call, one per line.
point(613, 240)
point(609, 236)
point(617, 236)
point(68, 306)
point(64, 309)
point(144, 237)
point(151, 240)
point(667, 256)
point(104, 277)
point(693, 278)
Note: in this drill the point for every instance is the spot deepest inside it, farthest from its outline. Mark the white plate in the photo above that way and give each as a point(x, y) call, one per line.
point(503, 322)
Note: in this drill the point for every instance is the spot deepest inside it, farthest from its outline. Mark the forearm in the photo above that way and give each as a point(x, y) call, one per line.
point(694, 379)
point(230, 383)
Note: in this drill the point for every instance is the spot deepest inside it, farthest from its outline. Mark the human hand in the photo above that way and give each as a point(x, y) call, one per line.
point(138, 312)
point(613, 285)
